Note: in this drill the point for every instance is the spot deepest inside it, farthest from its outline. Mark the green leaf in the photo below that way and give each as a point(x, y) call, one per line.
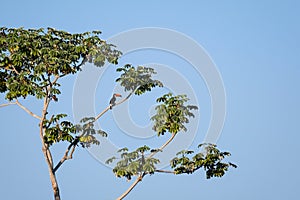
point(102, 133)
point(110, 160)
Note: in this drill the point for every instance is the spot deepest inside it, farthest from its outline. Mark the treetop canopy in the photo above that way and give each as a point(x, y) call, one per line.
point(30, 59)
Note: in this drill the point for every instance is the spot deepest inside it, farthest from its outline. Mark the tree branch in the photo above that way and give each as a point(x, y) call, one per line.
point(163, 146)
point(102, 113)
point(27, 110)
point(46, 151)
point(125, 99)
point(117, 103)
point(7, 104)
point(12, 70)
point(66, 155)
point(165, 171)
point(55, 79)
point(138, 179)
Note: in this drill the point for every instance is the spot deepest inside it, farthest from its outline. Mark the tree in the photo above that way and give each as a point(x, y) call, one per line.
point(33, 61)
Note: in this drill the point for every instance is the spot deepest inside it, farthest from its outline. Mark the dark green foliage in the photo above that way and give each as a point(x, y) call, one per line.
point(138, 80)
point(31, 59)
point(88, 133)
point(172, 114)
point(57, 130)
point(133, 163)
point(210, 160)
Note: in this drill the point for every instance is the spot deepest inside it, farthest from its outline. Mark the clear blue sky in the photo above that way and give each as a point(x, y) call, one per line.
point(256, 46)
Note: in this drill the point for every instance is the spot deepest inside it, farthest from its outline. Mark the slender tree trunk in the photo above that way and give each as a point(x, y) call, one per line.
point(52, 176)
point(54, 186)
point(46, 151)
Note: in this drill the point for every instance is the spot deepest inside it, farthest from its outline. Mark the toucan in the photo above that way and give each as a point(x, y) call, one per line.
point(112, 101)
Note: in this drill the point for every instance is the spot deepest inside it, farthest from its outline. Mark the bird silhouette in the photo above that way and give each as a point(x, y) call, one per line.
point(112, 101)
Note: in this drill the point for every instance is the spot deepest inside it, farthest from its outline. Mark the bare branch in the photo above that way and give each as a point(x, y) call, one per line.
point(102, 113)
point(163, 146)
point(71, 154)
point(138, 179)
point(27, 110)
point(7, 104)
point(117, 103)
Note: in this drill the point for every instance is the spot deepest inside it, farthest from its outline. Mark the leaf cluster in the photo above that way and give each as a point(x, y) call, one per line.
point(172, 114)
point(57, 130)
point(138, 79)
point(133, 163)
point(88, 134)
point(211, 160)
point(29, 58)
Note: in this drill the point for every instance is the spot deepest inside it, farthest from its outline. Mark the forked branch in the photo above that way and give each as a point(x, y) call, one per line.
point(67, 156)
point(140, 177)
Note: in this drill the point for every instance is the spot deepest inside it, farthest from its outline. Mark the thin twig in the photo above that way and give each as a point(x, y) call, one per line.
point(7, 104)
point(27, 110)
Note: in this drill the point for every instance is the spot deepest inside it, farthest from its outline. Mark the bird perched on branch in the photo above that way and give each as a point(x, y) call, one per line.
point(112, 101)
